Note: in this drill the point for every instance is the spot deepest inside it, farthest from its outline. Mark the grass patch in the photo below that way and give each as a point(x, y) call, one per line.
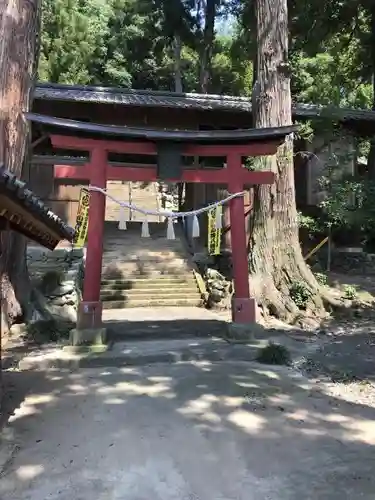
point(274, 354)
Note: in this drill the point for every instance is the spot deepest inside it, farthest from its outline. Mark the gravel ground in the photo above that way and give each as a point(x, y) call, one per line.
point(344, 364)
point(202, 431)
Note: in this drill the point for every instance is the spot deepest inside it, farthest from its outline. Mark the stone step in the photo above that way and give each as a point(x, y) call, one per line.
point(152, 285)
point(145, 269)
point(122, 250)
point(194, 301)
point(158, 330)
point(154, 293)
point(146, 296)
point(141, 353)
point(136, 241)
point(118, 259)
point(150, 257)
point(162, 280)
point(123, 274)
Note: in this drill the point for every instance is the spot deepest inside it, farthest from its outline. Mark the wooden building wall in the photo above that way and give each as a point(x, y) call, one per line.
point(60, 195)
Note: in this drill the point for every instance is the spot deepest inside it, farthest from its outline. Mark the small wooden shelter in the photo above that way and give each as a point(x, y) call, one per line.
point(22, 211)
point(25, 213)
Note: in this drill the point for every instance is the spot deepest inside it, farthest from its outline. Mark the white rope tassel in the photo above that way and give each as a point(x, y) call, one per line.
point(174, 215)
point(170, 229)
point(122, 219)
point(219, 217)
point(195, 230)
point(145, 229)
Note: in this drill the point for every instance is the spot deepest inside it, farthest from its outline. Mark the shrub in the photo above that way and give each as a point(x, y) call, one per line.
point(321, 278)
point(300, 294)
point(274, 354)
point(350, 292)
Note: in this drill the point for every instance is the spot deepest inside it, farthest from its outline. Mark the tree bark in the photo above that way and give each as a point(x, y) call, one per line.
point(276, 262)
point(371, 156)
point(207, 45)
point(19, 26)
point(177, 47)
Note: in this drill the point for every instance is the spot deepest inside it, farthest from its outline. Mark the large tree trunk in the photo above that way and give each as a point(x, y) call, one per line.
point(207, 45)
point(19, 26)
point(177, 47)
point(371, 157)
point(276, 262)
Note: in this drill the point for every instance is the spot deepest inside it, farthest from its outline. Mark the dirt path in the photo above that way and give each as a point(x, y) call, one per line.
point(197, 431)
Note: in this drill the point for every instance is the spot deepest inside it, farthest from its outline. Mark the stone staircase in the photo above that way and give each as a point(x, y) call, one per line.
point(146, 272)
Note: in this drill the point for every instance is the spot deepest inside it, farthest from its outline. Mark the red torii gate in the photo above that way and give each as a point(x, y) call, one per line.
point(99, 140)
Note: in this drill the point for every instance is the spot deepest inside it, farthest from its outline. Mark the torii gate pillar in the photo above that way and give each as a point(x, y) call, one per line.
point(243, 305)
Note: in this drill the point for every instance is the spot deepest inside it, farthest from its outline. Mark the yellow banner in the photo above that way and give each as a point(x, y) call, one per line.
point(82, 221)
point(214, 235)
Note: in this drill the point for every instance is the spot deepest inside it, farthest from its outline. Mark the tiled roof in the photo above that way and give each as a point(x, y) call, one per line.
point(129, 97)
point(14, 189)
point(152, 134)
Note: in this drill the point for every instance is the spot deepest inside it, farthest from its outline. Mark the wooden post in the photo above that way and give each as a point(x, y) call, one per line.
point(243, 306)
point(90, 310)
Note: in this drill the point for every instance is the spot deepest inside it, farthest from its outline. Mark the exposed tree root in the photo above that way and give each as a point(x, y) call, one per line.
point(272, 286)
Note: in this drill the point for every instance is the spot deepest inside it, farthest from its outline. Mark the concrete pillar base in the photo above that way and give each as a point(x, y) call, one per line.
point(244, 310)
point(88, 336)
point(89, 315)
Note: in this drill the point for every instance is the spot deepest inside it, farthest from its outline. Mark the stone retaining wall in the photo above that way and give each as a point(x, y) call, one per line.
point(219, 285)
point(346, 262)
point(56, 276)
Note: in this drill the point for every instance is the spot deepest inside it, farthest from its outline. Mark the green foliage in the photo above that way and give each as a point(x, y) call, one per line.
point(349, 200)
point(305, 130)
point(129, 43)
point(135, 45)
point(317, 79)
point(321, 278)
point(350, 292)
point(274, 354)
point(308, 222)
point(72, 40)
point(300, 294)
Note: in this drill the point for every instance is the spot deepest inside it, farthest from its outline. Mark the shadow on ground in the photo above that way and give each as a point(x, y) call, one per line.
point(165, 329)
point(349, 353)
point(202, 431)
